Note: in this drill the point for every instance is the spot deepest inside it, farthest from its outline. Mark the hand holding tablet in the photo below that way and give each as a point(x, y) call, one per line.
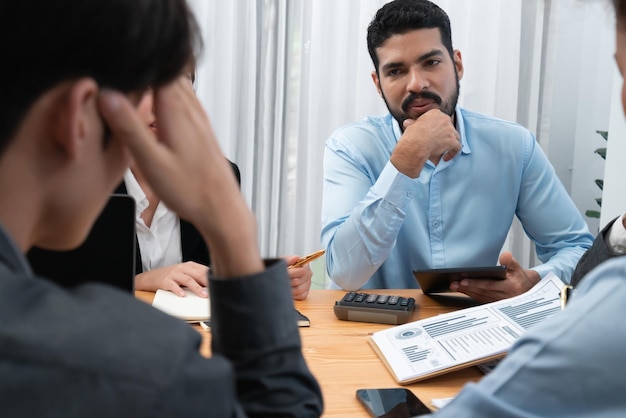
point(438, 280)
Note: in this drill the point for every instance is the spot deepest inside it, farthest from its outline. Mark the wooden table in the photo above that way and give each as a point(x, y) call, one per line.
point(341, 359)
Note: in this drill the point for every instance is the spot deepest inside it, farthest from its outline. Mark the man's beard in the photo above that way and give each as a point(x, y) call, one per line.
point(446, 107)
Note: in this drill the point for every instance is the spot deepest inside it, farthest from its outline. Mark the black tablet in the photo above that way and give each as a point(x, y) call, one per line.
point(438, 280)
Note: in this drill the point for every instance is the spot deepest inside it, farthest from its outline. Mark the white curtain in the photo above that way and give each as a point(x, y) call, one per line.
point(278, 76)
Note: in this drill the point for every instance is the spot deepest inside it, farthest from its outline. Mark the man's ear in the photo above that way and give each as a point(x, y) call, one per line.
point(376, 81)
point(458, 63)
point(75, 116)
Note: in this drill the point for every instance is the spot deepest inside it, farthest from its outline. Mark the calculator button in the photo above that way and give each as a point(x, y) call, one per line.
point(372, 298)
point(349, 297)
point(393, 300)
point(382, 299)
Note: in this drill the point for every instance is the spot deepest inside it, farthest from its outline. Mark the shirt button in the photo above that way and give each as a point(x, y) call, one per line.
point(435, 224)
point(409, 194)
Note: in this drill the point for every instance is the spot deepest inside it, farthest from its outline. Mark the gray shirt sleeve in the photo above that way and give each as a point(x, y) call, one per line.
point(571, 365)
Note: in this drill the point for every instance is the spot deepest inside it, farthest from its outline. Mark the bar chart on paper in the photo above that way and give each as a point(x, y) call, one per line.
point(530, 311)
point(432, 346)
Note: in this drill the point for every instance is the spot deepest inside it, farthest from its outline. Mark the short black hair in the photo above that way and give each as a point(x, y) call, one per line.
point(620, 9)
point(401, 16)
point(126, 45)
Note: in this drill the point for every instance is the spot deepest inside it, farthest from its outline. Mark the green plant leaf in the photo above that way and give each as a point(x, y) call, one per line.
point(601, 152)
point(600, 183)
point(592, 214)
point(604, 134)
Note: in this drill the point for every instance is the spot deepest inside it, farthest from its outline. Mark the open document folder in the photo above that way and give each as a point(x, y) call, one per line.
point(433, 346)
point(191, 308)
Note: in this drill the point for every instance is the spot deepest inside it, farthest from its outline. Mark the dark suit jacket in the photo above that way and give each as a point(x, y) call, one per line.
point(594, 256)
point(192, 243)
point(94, 351)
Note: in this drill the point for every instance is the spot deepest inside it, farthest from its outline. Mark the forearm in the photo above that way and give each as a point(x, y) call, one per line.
point(562, 263)
point(551, 219)
point(362, 243)
point(254, 326)
point(358, 244)
point(564, 240)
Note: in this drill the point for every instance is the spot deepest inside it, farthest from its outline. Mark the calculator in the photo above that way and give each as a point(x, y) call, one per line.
point(371, 307)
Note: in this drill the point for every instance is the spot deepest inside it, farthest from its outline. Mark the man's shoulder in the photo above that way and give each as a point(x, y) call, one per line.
point(371, 136)
point(476, 119)
point(91, 330)
point(373, 125)
point(480, 129)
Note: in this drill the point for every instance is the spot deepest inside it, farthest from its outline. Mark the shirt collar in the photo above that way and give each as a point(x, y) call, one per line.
point(134, 189)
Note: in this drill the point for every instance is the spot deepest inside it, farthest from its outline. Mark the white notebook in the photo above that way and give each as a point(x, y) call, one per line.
point(191, 308)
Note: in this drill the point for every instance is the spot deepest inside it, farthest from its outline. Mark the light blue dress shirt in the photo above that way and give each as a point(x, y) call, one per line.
point(378, 225)
point(571, 365)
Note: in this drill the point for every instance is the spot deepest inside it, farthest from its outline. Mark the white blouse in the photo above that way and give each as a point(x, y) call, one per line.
point(159, 244)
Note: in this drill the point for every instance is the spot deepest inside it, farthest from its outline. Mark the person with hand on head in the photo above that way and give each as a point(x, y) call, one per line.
point(68, 131)
point(171, 253)
point(433, 185)
point(571, 364)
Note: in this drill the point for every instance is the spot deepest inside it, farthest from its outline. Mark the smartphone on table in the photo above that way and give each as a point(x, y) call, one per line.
point(391, 403)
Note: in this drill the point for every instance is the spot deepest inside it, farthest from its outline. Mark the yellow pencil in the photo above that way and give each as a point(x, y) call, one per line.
point(307, 259)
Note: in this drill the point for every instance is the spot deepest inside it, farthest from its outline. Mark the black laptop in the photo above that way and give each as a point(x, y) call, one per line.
point(107, 255)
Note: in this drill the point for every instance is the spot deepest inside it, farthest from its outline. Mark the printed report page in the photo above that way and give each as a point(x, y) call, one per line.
point(420, 348)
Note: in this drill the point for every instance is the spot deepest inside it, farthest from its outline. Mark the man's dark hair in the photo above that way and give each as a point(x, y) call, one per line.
point(402, 16)
point(127, 45)
point(620, 9)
